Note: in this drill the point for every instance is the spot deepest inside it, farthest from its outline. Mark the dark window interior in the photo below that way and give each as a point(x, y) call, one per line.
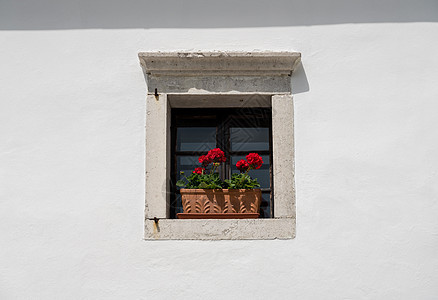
point(236, 131)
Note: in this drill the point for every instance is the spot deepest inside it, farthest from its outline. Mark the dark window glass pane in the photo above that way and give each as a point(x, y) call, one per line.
point(187, 164)
point(195, 138)
point(249, 139)
point(265, 206)
point(178, 204)
point(263, 175)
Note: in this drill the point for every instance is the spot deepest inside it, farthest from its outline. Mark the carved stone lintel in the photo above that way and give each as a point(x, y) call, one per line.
point(179, 72)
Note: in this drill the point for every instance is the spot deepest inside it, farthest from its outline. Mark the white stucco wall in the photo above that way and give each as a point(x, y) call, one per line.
point(72, 118)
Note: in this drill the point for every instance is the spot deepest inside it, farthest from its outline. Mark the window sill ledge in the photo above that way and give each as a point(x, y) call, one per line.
point(220, 229)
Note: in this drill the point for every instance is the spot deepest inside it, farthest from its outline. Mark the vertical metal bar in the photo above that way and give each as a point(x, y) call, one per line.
point(220, 140)
point(227, 144)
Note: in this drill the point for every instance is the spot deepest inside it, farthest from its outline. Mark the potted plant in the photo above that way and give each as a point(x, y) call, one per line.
point(205, 195)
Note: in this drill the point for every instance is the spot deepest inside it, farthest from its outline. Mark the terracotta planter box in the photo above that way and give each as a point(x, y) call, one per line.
point(236, 203)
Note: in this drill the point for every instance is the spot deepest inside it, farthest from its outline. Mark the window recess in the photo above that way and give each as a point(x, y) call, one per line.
point(237, 131)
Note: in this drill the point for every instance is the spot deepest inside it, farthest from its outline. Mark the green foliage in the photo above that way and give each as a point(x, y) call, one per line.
point(201, 181)
point(213, 181)
point(241, 181)
point(206, 177)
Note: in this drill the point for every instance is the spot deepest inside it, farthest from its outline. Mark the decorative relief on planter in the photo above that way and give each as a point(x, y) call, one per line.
point(221, 201)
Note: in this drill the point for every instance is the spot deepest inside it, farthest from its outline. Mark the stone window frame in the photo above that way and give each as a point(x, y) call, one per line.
point(237, 79)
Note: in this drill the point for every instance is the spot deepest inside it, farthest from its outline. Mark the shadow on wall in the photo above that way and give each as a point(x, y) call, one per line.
point(83, 14)
point(299, 80)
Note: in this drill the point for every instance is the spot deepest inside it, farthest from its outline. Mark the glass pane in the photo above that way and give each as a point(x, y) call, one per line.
point(265, 206)
point(187, 164)
point(195, 138)
point(249, 139)
point(262, 174)
point(178, 208)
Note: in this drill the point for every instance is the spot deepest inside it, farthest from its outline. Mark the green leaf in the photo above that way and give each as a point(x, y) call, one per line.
point(203, 185)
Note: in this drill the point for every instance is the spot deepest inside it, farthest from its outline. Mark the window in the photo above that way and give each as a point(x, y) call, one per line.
point(215, 88)
point(237, 131)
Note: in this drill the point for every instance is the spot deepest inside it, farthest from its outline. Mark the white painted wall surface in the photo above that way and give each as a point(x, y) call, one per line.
point(72, 117)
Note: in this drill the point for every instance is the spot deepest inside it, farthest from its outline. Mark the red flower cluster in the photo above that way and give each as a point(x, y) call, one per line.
point(213, 156)
point(254, 160)
point(216, 155)
point(204, 160)
point(242, 165)
point(199, 171)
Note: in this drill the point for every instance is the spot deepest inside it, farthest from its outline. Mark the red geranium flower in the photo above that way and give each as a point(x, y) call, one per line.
point(242, 165)
point(216, 155)
point(254, 160)
point(205, 160)
point(199, 171)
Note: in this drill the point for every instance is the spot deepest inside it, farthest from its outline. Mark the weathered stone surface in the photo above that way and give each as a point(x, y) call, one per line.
point(219, 84)
point(219, 63)
point(245, 229)
point(176, 72)
point(283, 155)
point(157, 156)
